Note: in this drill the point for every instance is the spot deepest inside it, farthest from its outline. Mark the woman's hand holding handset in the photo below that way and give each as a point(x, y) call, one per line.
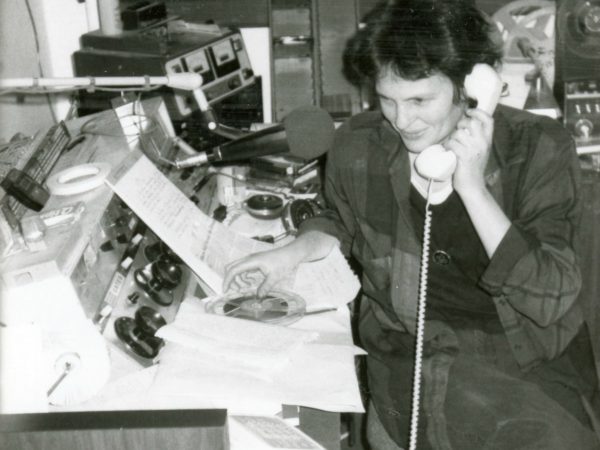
point(464, 155)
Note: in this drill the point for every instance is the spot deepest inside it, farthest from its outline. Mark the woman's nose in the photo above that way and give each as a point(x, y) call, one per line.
point(404, 117)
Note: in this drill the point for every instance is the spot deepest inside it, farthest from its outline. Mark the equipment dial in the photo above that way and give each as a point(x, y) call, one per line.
point(591, 19)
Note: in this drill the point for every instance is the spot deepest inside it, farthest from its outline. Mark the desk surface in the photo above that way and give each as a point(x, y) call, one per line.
point(66, 248)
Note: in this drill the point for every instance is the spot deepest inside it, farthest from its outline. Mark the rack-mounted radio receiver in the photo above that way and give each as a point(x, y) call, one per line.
point(220, 58)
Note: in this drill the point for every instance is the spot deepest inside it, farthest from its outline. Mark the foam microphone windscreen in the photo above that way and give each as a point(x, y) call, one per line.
point(306, 132)
point(309, 131)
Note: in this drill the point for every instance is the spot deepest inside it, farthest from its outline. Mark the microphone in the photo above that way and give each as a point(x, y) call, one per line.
point(306, 132)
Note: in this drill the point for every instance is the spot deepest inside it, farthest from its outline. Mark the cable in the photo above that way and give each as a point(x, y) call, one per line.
point(420, 331)
point(60, 90)
point(37, 52)
point(96, 126)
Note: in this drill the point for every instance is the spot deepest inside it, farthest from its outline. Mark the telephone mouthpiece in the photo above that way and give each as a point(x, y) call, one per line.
point(436, 163)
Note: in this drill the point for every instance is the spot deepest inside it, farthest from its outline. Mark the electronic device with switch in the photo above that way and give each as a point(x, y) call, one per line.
point(161, 49)
point(91, 244)
point(577, 85)
point(581, 112)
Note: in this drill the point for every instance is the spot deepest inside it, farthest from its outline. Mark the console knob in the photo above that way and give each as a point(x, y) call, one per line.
point(584, 128)
point(234, 83)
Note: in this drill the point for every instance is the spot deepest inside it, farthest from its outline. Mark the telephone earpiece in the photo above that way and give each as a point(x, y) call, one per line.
point(482, 84)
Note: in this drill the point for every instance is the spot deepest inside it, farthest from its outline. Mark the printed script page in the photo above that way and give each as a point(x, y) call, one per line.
point(203, 243)
point(207, 245)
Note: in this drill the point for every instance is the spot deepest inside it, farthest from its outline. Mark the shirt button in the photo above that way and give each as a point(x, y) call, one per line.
point(441, 257)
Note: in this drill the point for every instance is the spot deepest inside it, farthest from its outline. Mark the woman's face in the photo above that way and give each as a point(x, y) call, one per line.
point(421, 111)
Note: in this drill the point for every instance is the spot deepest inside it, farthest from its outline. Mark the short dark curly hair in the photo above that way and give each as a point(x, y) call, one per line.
point(419, 38)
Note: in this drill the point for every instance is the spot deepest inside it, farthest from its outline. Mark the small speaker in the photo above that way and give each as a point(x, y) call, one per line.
point(577, 42)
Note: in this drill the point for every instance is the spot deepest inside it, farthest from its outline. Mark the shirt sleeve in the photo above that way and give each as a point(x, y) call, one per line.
point(535, 268)
point(337, 219)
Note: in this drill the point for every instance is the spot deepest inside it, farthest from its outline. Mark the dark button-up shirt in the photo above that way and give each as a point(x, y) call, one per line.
point(532, 278)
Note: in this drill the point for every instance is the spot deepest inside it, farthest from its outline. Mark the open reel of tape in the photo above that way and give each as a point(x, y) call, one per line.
point(278, 307)
point(264, 206)
point(271, 217)
point(532, 20)
point(297, 211)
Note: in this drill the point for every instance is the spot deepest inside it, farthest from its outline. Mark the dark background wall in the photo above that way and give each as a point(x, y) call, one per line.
point(255, 12)
point(314, 72)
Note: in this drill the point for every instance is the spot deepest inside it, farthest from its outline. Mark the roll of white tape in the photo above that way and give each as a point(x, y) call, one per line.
point(78, 179)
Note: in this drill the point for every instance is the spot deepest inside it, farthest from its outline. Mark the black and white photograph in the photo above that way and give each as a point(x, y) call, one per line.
point(300, 224)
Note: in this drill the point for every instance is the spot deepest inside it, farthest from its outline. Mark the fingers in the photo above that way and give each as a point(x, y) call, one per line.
point(474, 121)
point(259, 270)
point(246, 281)
point(479, 114)
point(460, 142)
point(236, 269)
point(472, 115)
point(473, 133)
point(481, 118)
point(463, 122)
point(463, 136)
point(266, 286)
point(243, 275)
point(454, 146)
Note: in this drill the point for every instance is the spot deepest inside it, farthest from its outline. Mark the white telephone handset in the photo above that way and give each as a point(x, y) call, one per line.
point(482, 84)
point(435, 163)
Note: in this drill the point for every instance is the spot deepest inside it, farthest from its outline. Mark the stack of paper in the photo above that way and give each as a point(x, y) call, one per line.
point(260, 348)
point(215, 361)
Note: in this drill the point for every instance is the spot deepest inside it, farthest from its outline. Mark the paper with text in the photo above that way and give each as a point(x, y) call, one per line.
point(206, 245)
point(203, 243)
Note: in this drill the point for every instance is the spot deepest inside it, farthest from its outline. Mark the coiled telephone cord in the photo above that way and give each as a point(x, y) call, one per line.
point(416, 396)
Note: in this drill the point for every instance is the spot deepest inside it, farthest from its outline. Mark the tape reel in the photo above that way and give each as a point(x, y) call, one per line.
point(296, 212)
point(532, 20)
point(278, 307)
point(264, 206)
point(78, 179)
